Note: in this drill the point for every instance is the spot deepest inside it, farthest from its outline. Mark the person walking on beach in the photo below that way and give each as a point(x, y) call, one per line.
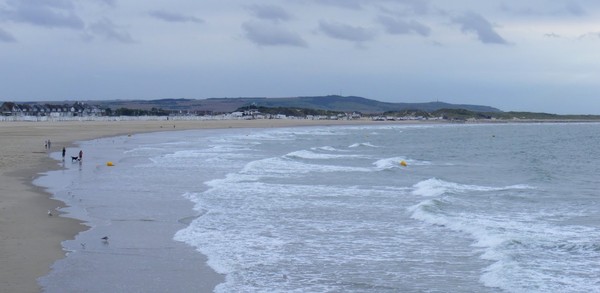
point(80, 155)
point(63, 153)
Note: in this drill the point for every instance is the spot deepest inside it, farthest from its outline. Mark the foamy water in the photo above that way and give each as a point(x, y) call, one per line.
point(486, 208)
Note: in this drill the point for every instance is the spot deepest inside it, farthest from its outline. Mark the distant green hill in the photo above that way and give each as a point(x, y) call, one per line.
point(294, 106)
point(328, 103)
point(359, 104)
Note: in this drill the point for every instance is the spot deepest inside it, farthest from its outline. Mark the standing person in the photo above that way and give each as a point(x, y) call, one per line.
point(49, 144)
point(80, 155)
point(63, 153)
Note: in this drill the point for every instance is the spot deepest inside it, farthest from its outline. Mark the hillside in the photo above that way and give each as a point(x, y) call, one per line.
point(328, 103)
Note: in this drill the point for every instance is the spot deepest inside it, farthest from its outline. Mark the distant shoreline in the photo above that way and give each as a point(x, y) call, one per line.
point(286, 121)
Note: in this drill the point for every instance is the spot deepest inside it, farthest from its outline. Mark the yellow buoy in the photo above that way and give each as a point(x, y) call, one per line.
point(110, 164)
point(403, 163)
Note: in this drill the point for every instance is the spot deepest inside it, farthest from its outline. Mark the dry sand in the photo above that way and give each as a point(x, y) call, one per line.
point(30, 240)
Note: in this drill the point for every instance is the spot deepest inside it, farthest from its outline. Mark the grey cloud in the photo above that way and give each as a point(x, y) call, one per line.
point(574, 8)
point(472, 22)
point(174, 17)
point(269, 34)
point(109, 31)
point(269, 12)
point(402, 27)
point(6, 37)
point(346, 32)
point(51, 13)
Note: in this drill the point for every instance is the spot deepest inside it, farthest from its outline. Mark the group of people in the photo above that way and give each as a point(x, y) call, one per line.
point(64, 152)
point(48, 144)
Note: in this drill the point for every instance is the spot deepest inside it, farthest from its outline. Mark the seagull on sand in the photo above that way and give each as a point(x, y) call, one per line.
point(49, 213)
point(104, 239)
point(82, 245)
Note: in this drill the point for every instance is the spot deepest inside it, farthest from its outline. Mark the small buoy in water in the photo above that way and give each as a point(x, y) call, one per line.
point(403, 163)
point(110, 164)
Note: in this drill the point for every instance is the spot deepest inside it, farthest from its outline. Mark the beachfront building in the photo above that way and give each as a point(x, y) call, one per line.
point(49, 110)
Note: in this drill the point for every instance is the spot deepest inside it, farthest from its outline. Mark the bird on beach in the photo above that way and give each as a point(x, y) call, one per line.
point(105, 239)
point(82, 245)
point(49, 213)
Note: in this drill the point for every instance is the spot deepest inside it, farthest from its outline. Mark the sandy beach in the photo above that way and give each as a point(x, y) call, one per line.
point(30, 240)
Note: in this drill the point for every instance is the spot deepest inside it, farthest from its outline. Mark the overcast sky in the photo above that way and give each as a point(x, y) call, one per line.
point(516, 55)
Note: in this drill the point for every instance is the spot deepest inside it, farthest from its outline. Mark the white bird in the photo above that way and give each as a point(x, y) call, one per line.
point(49, 213)
point(104, 239)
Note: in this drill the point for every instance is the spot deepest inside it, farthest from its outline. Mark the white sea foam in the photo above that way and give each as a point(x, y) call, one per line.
point(143, 150)
point(362, 144)
point(326, 148)
point(304, 154)
point(245, 236)
point(437, 187)
point(283, 167)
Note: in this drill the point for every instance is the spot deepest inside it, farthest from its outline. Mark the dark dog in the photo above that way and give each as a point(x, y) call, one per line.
point(73, 159)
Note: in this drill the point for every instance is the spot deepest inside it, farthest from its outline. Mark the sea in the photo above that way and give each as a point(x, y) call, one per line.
point(374, 208)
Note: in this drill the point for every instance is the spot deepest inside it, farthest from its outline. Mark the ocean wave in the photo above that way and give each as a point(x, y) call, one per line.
point(142, 150)
point(325, 148)
point(284, 167)
point(517, 245)
point(362, 144)
point(437, 187)
point(304, 154)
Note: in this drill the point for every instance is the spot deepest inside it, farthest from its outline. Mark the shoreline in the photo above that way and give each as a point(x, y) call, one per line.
point(31, 241)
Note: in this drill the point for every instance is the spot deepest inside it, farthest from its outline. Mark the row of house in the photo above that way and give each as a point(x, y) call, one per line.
point(255, 114)
point(65, 110)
